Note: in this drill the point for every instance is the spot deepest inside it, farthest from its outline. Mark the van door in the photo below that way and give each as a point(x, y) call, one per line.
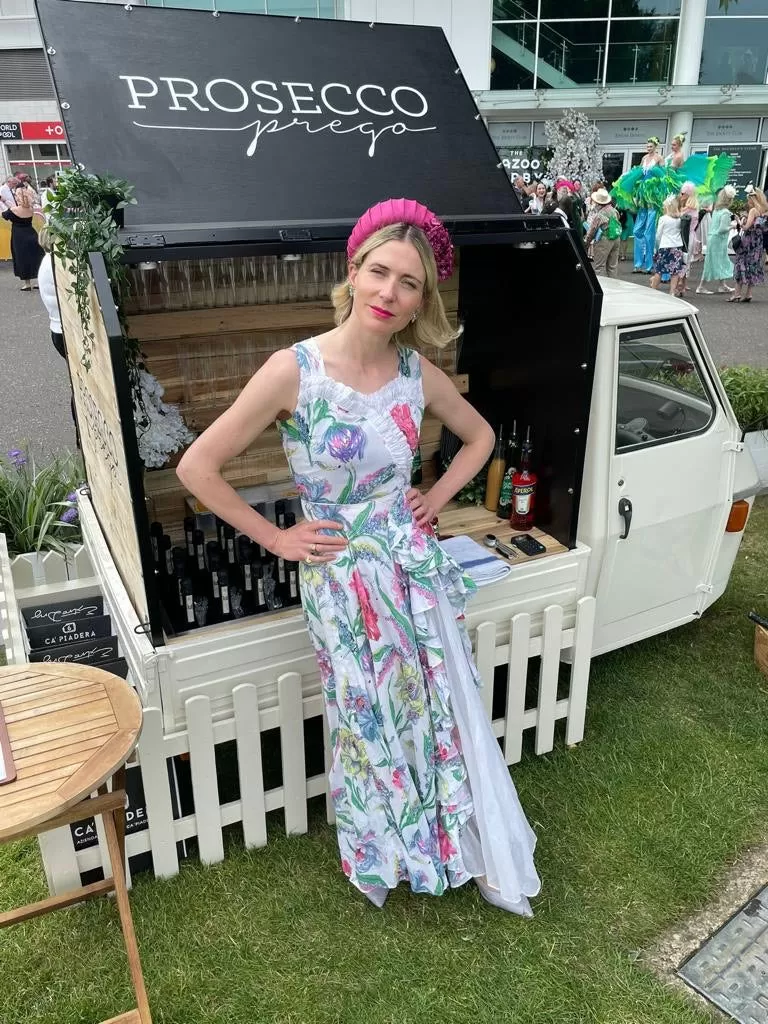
point(669, 486)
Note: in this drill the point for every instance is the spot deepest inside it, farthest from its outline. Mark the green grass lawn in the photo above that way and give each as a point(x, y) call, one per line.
point(635, 827)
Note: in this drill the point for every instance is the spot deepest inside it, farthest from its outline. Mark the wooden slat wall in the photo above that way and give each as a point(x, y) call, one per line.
point(204, 358)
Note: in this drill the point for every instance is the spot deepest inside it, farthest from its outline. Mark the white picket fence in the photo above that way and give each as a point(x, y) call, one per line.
point(293, 706)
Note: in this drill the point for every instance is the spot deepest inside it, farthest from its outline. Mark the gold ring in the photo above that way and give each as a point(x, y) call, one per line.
point(308, 560)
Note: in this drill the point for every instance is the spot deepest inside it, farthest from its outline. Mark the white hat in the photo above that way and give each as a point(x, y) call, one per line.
point(601, 197)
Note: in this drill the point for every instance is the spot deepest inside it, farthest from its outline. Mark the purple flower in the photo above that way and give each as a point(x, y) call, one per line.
point(344, 441)
point(69, 516)
point(17, 457)
point(72, 496)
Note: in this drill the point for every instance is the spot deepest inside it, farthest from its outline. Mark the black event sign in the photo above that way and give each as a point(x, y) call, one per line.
point(746, 166)
point(241, 118)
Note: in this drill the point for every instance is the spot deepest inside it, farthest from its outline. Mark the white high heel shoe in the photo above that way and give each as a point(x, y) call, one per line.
point(522, 907)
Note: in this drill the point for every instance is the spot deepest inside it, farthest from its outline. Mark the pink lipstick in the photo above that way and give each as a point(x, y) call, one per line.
point(382, 314)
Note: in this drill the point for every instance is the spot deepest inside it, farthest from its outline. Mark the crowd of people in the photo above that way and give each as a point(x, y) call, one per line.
point(733, 247)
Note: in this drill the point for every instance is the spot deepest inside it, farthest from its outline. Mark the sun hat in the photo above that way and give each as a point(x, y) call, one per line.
point(406, 211)
point(601, 197)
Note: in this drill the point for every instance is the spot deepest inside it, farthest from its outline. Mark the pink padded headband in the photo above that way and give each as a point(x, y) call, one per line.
point(406, 211)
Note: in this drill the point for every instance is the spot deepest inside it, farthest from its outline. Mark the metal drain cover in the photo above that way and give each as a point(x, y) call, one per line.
point(731, 969)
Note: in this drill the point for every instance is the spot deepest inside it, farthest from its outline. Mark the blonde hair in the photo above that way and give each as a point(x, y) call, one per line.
point(672, 206)
point(45, 238)
point(431, 327)
point(25, 197)
point(725, 197)
point(760, 201)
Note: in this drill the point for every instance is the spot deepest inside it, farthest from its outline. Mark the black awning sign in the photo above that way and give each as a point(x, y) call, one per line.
point(370, 111)
point(247, 118)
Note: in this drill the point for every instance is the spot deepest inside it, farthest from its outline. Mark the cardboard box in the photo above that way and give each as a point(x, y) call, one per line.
point(761, 649)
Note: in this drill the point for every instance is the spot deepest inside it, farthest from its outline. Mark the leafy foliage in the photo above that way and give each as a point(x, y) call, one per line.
point(82, 221)
point(38, 504)
point(747, 390)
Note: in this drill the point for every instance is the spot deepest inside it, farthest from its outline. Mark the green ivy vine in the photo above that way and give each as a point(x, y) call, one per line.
point(81, 220)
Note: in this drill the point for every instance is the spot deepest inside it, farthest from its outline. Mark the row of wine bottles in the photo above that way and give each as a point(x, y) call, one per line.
point(511, 485)
point(210, 581)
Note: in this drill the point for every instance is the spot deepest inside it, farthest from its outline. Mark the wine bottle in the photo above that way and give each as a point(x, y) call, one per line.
point(188, 603)
point(176, 611)
point(213, 554)
point(524, 489)
point(495, 474)
point(189, 530)
point(261, 508)
point(198, 540)
point(257, 575)
point(504, 510)
point(281, 572)
point(280, 512)
point(226, 606)
point(156, 536)
point(293, 583)
point(220, 524)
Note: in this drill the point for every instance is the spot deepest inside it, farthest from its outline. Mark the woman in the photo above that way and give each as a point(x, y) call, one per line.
point(748, 267)
point(669, 257)
point(603, 219)
point(717, 263)
point(25, 249)
point(689, 220)
point(418, 781)
point(538, 199)
point(645, 219)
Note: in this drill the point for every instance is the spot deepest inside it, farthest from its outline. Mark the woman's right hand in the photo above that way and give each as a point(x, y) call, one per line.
point(305, 543)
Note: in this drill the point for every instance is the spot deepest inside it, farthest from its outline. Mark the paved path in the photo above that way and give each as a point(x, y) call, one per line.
point(35, 384)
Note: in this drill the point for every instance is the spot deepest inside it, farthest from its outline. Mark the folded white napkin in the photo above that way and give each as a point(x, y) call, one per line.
point(478, 562)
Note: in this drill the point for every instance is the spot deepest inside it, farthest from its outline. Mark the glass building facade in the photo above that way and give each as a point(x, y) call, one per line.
point(735, 48)
point(561, 44)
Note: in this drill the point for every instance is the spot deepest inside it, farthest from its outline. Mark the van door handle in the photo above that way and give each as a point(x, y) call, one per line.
point(625, 511)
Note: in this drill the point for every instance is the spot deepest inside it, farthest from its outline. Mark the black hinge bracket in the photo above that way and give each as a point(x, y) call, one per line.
point(144, 241)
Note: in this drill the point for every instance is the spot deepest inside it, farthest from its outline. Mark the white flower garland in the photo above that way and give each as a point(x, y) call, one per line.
point(575, 140)
point(160, 429)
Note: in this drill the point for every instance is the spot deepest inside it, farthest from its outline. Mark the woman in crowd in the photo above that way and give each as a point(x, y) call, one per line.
point(604, 220)
point(538, 199)
point(669, 257)
point(689, 220)
point(25, 249)
point(718, 267)
point(420, 788)
point(750, 250)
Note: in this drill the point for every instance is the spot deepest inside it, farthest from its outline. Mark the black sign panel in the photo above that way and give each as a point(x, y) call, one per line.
point(746, 168)
point(10, 130)
point(101, 652)
point(251, 119)
point(69, 631)
point(77, 608)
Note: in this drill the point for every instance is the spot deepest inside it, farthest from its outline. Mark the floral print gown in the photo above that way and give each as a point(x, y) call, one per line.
point(418, 782)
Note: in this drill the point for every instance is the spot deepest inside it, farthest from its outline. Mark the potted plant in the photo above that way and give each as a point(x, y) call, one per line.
point(38, 502)
point(747, 390)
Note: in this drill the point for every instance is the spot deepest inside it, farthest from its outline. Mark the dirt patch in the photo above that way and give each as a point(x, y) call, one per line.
point(745, 878)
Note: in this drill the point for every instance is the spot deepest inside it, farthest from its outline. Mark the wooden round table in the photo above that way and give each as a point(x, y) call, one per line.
point(70, 729)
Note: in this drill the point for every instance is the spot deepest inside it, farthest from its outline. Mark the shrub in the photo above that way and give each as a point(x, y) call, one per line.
point(747, 390)
point(38, 504)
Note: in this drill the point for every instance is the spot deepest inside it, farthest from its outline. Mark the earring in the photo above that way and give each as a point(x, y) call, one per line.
point(351, 290)
point(414, 315)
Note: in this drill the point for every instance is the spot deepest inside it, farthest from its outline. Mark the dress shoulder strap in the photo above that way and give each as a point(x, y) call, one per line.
point(308, 357)
point(410, 362)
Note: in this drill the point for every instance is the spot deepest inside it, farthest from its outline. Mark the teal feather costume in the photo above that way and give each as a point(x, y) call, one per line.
point(648, 189)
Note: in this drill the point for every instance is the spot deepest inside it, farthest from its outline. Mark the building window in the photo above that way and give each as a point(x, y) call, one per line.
point(735, 51)
point(735, 8)
point(572, 53)
point(573, 44)
point(38, 160)
point(641, 51)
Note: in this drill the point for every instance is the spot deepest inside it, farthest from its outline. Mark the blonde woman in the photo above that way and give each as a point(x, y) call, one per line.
point(669, 257)
point(25, 249)
point(750, 254)
point(718, 267)
point(420, 788)
point(689, 220)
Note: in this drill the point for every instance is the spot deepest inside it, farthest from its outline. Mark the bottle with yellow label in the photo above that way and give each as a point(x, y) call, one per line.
point(495, 474)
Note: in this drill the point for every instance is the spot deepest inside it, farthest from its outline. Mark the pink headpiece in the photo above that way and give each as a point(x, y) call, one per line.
point(406, 211)
point(565, 183)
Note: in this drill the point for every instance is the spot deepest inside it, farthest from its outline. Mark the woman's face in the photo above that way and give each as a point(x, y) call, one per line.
point(541, 191)
point(675, 146)
point(650, 147)
point(389, 286)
